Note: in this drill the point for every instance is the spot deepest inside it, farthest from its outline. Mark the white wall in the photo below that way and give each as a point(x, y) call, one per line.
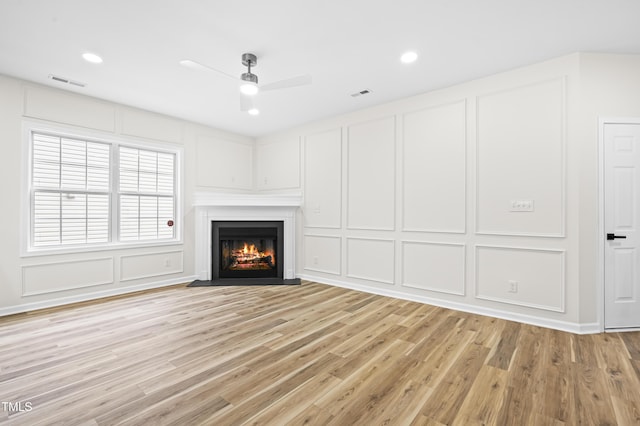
point(212, 160)
point(411, 199)
point(415, 198)
point(610, 88)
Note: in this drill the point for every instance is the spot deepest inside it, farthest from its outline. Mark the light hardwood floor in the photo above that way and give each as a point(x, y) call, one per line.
point(309, 354)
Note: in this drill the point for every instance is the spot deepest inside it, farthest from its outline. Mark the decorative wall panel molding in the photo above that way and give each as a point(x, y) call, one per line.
point(323, 179)
point(278, 165)
point(224, 164)
point(52, 277)
point(61, 107)
point(138, 266)
point(323, 253)
point(149, 125)
point(371, 175)
point(371, 259)
point(521, 160)
point(434, 169)
point(521, 276)
point(434, 266)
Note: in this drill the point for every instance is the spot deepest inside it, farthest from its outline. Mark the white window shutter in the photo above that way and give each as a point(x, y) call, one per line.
point(147, 202)
point(70, 191)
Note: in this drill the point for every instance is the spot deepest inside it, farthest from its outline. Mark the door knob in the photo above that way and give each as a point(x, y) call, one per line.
point(614, 236)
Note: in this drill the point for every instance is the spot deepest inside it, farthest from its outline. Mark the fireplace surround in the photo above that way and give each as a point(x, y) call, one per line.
point(242, 209)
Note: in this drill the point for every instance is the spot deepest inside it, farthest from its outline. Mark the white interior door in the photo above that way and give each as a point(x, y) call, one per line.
point(621, 218)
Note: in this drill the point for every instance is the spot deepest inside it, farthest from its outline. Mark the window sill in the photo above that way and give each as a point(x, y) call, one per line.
point(53, 251)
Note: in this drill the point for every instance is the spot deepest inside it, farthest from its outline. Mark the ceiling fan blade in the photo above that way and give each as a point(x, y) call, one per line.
point(246, 102)
point(300, 80)
point(188, 63)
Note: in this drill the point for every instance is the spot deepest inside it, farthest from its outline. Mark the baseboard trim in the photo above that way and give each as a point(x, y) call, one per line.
point(28, 307)
point(588, 328)
point(621, 330)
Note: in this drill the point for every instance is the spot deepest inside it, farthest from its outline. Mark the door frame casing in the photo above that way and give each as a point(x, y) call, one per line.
point(602, 122)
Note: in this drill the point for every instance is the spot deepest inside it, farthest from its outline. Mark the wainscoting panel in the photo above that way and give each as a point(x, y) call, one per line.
point(137, 266)
point(371, 259)
point(323, 254)
point(66, 275)
point(434, 266)
point(224, 164)
point(371, 176)
point(434, 169)
point(77, 110)
point(524, 195)
point(521, 276)
point(278, 164)
point(323, 179)
point(149, 125)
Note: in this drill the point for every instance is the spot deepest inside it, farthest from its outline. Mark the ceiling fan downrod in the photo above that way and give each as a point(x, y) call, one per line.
point(249, 60)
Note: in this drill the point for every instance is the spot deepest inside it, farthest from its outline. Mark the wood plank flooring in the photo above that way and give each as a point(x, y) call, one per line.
point(310, 354)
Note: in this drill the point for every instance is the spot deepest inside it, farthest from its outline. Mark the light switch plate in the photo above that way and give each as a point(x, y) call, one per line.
point(521, 206)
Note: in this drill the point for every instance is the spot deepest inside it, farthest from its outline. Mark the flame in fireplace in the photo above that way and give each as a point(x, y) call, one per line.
point(250, 250)
point(248, 256)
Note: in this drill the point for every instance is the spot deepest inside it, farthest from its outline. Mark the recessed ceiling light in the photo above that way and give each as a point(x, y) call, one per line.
point(188, 63)
point(254, 111)
point(92, 57)
point(408, 57)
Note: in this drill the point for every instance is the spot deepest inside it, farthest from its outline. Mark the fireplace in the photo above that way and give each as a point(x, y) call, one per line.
point(247, 249)
point(241, 211)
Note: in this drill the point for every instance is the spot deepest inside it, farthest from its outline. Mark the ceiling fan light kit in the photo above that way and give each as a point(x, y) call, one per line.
point(249, 85)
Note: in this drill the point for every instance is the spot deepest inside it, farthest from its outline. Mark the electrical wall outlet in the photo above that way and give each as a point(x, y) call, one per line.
point(521, 206)
point(513, 286)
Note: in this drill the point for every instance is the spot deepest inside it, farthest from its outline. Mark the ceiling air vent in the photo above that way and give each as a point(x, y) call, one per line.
point(360, 93)
point(66, 80)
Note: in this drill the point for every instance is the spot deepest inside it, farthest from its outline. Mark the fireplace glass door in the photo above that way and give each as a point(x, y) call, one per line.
point(247, 249)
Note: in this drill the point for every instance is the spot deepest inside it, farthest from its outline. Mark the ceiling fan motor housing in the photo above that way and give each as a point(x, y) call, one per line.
point(249, 60)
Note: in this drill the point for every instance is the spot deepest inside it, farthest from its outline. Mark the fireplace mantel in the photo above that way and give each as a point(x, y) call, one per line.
point(213, 199)
point(212, 206)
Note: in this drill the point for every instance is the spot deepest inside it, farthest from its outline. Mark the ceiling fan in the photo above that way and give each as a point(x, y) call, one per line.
point(249, 81)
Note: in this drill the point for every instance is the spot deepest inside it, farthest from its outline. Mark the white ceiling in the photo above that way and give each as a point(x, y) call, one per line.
point(346, 45)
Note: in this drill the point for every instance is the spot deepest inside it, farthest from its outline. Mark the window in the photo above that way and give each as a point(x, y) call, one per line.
point(70, 191)
point(145, 194)
point(89, 192)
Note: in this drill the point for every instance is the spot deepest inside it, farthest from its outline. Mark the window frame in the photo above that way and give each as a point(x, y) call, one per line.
point(115, 142)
